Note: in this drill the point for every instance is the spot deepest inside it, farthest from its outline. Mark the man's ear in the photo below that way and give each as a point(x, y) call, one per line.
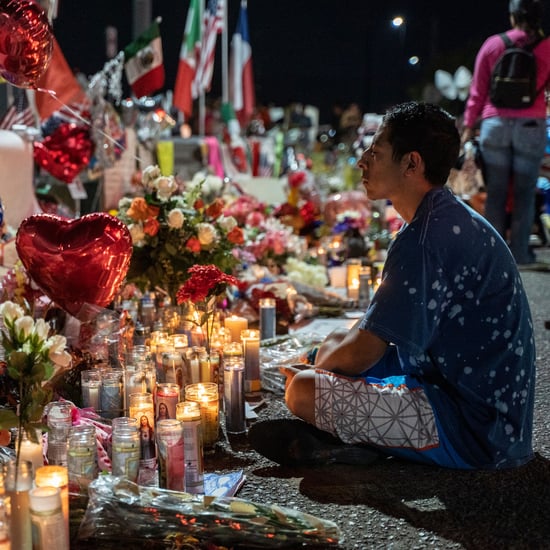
point(413, 161)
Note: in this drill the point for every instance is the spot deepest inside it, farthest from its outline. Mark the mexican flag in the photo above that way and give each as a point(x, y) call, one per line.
point(143, 62)
point(185, 90)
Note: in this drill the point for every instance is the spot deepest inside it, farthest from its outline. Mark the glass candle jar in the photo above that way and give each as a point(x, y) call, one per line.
point(206, 395)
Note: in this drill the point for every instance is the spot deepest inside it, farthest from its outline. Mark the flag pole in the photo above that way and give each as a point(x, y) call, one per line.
point(225, 55)
point(202, 104)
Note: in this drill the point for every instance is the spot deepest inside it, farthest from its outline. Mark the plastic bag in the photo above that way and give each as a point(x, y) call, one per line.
point(119, 510)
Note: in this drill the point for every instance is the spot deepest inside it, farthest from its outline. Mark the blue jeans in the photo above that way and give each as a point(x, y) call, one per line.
point(512, 151)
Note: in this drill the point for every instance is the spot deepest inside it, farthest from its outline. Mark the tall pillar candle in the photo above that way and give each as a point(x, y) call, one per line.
point(189, 413)
point(235, 325)
point(143, 410)
point(170, 443)
point(31, 450)
point(234, 408)
point(47, 519)
point(251, 350)
point(18, 483)
point(206, 395)
point(268, 318)
point(166, 398)
point(56, 476)
point(111, 398)
point(353, 268)
point(91, 386)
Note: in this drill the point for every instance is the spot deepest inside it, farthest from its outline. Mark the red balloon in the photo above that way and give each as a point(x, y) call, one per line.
point(65, 152)
point(75, 262)
point(26, 42)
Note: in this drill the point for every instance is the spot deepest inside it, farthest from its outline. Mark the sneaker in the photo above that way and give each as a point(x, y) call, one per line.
point(292, 442)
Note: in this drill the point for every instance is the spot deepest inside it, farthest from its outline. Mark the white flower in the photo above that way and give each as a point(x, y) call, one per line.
point(197, 180)
point(176, 218)
point(137, 234)
point(149, 174)
point(11, 311)
point(206, 234)
point(166, 186)
point(212, 184)
point(42, 329)
point(56, 350)
point(24, 326)
point(124, 203)
point(227, 223)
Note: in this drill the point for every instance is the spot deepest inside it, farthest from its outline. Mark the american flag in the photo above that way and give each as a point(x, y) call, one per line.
point(19, 111)
point(212, 26)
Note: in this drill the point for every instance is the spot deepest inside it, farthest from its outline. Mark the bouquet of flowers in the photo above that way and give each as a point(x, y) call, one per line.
point(172, 230)
point(31, 354)
point(204, 286)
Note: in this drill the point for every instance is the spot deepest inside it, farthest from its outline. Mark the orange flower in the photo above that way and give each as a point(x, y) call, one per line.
point(151, 226)
point(215, 209)
point(199, 203)
point(193, 244)
point(236, 236)
point(139, 210)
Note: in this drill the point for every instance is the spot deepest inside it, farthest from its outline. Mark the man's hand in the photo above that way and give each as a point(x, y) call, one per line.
point(291, 371)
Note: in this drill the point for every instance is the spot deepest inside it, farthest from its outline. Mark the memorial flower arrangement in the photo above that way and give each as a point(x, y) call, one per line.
point(173, 229)
point(206, 284)
point(32, 354)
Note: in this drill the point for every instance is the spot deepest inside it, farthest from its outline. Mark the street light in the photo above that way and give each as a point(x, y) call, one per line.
point(397, 21)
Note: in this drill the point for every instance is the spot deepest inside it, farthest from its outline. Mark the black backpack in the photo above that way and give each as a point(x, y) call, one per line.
point(514, 77)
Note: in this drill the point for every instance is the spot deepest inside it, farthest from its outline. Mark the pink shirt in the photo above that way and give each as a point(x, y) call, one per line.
point(479, 106)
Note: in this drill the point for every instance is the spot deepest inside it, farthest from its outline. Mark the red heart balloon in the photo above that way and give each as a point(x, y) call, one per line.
point(26, 42)
point(65, 152)
point(78, 261)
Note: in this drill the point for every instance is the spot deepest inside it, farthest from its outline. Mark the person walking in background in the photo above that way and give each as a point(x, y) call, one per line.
point(441, 368)
point(512, 140)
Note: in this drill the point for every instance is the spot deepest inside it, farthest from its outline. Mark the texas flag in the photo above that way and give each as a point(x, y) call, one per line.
point(143, 62)
point(241, 79)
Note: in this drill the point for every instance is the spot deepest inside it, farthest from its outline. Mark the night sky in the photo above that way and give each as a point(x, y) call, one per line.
point(311, 51)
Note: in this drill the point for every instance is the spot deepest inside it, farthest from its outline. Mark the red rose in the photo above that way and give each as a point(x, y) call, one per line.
point(193, 244)
point(151, 226)
point(236, 236)
point(199, 203)
point(215, 209)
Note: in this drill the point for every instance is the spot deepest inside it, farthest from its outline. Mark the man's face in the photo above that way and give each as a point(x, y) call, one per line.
point(380, 174)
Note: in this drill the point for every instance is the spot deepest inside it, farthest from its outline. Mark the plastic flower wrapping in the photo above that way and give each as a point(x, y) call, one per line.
point(173, 229)
point(120, 508)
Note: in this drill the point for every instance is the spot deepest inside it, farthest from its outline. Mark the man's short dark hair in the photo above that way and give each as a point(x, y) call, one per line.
point(428, 129)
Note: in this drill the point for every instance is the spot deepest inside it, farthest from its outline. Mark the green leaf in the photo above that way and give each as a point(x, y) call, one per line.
point(17, 360)
point(8, 419)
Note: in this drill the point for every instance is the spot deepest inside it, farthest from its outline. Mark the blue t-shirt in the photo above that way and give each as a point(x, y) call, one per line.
point(453, 304)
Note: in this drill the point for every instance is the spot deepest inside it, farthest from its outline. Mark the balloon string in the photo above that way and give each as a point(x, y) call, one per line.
point(77, 115)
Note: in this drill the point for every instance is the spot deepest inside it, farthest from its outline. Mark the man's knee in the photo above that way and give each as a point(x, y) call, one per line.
point(300, 395)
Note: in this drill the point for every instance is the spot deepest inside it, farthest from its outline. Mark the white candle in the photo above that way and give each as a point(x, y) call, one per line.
point(235, 325)
point(56, 476)
point(32, 451)
point(251, 350)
